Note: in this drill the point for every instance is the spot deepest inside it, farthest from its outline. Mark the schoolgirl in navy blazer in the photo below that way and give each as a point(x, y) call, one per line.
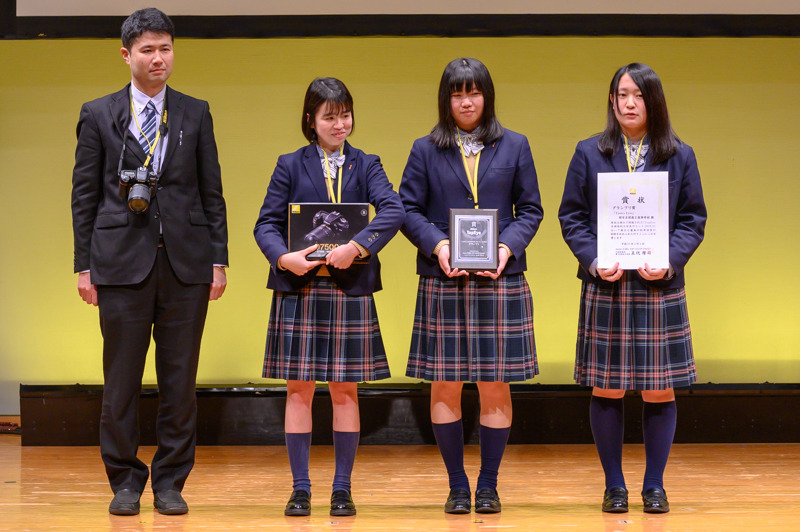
point(471, 327)
point(323, 324)
point(633, 325)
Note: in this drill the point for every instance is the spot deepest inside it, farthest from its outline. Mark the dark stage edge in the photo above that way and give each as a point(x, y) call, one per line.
point(399, 414)
point(499, 25)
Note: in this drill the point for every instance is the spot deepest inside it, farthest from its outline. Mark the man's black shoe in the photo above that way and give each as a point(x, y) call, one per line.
point(170, 502)
point(125, 502)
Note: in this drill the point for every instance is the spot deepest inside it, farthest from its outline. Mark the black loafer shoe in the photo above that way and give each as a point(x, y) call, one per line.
point(170, 502)
point(487, 501)
point(342, 503)
point(125, 502)
point(299, 503)
point(655, 501)
point(458, 502)
point(615, 500)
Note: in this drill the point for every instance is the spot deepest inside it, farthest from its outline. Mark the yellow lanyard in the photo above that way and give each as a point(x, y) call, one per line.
point(329, 181)
point(472, 179)
point(628, 154)
point(158, 134)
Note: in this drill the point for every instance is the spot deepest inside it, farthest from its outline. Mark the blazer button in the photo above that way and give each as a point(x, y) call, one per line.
point(469, 197)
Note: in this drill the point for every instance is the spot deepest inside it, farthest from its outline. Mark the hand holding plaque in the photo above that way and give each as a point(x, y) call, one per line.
point(502, 259)
point(473, 239)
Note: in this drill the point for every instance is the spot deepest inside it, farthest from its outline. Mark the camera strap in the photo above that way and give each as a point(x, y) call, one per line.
point(338, 197)
point(158, 133)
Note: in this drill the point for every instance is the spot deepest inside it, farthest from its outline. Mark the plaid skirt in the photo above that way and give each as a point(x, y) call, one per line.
point(632, 337)
point(473, 329)
point(321, 334)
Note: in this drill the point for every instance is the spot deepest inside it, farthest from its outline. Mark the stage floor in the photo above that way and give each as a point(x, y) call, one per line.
point(712, 487)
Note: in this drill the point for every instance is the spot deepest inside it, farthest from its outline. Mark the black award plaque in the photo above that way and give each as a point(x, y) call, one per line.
point(473, 239)
point(329, 225)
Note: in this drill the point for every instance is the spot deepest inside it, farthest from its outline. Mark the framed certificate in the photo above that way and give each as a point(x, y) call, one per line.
point(329, 225)
point(633, 219)
point(473, 239)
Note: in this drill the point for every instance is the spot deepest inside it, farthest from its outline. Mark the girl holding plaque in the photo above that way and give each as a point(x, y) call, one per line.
point(475, 326)
point(323, 325)
point(633, 327)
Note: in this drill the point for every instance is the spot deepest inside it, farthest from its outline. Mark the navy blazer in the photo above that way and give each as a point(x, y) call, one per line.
point(434, 181)
point(297, 178)
point(578, 211)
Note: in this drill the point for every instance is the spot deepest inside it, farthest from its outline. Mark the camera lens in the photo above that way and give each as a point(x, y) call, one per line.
point(139, 198)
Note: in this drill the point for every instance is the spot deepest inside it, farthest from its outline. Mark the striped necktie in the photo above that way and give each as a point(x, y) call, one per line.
point(149, 127)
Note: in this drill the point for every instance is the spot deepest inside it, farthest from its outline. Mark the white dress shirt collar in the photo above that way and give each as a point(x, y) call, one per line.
point(140, 99)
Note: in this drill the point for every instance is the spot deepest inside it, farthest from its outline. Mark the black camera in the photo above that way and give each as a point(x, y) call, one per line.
point(139, 186)
point(326, 225)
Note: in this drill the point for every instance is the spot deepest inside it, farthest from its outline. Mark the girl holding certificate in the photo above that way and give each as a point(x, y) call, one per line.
point(633, 327)
point(323, 325)
point(471, 326)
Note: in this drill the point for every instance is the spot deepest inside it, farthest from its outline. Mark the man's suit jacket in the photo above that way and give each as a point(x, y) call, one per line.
point(578, 211)
point(118, 246)
point(435, 181)
point(298, 178)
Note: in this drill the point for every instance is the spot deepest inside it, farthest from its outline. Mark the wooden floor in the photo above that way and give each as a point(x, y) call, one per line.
point(727, 488)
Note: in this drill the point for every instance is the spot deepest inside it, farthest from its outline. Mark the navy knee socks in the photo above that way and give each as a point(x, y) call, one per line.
point(658, 427)
point(450, 439)
point(345, 445)
point(606, 417)
point(298, 445)
point(493, 444)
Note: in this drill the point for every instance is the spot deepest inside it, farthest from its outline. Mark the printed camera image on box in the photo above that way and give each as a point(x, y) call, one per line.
point(328, 224)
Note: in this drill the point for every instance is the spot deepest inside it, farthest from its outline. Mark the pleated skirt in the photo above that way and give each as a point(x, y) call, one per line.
point(632, 337)
point(473, 329)
point(320, 333)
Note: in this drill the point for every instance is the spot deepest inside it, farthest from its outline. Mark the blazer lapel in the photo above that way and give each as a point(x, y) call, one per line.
point(453, 157)
point(120, 109)
point(314, 171)
point(618, 161)
point(175, 111)
point(487, 154)
point(349, 168)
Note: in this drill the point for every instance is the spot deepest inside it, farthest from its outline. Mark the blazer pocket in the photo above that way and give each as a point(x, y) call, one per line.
point(499, 178)
point(502, 170)
point(198, 218)
point(353, 194)
point(111, 219)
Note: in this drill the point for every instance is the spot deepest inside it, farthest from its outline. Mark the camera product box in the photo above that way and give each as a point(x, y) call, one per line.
point(328, 224)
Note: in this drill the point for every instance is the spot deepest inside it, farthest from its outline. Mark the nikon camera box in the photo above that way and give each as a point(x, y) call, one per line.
point(328, 224)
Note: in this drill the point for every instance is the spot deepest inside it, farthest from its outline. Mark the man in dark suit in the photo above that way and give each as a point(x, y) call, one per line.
point(150, 254)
